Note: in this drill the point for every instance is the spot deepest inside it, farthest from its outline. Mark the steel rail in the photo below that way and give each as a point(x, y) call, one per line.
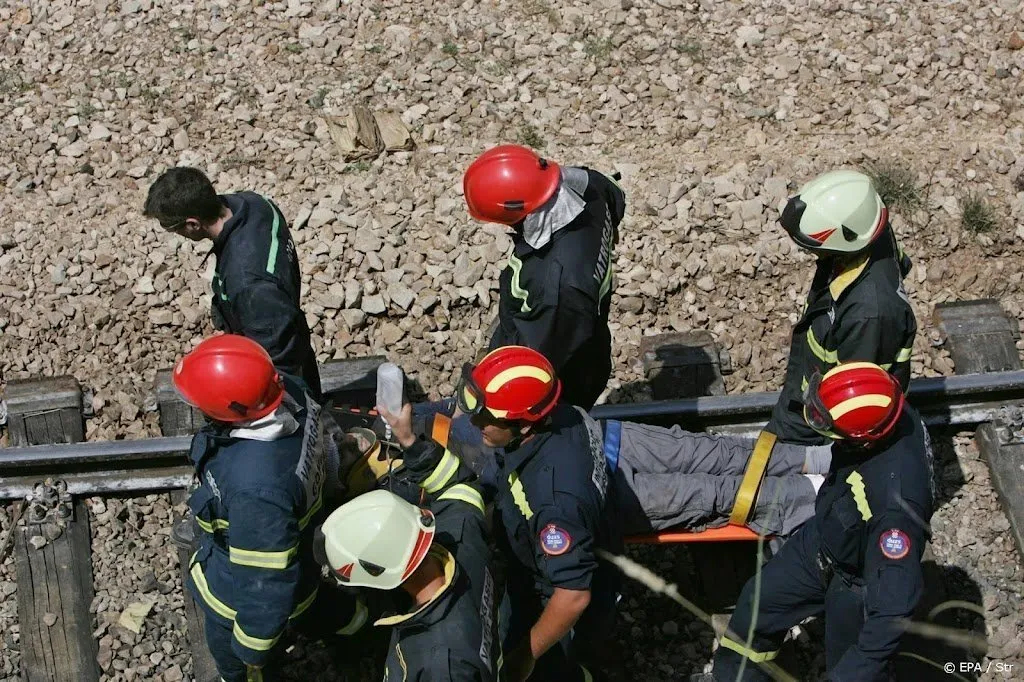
point(159, 463)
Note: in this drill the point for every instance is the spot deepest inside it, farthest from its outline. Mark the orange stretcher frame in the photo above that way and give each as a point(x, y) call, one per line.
point(727, 533)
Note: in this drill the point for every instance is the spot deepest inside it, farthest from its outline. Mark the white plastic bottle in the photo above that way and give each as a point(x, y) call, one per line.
point(390, 389)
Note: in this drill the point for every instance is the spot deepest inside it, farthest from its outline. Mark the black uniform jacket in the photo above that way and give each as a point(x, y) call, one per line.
point(857, 313)
point(454, 635)
point(257, 285)
point(552, 512)
point(873, 515)
point(556, 299)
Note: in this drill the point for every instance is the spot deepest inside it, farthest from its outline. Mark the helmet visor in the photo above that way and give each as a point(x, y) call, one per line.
point(468, 395)
point(816, 414)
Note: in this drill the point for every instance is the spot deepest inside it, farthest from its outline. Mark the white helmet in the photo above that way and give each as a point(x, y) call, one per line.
point(838, 212)
point(377, 540)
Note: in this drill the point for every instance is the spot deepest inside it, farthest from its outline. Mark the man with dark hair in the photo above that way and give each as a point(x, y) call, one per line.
point(257, 285)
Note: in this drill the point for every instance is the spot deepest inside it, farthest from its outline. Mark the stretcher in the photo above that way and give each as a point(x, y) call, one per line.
point(746, 497)
point(735, 530)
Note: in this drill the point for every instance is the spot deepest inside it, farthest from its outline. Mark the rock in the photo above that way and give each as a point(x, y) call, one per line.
point(355, 319)
point(401, 295)
point(49, 619)
point(134, 615)
point(37, 541)
point(321, 216)
point(1016, 41)
point(161, 316)
point(180, 140)
point(99, 133)
point(372, 305)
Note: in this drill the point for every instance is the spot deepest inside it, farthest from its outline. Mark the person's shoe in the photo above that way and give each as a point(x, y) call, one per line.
point(183, 534)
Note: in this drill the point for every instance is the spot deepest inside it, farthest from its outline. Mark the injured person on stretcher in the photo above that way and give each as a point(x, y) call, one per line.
point(664, 478)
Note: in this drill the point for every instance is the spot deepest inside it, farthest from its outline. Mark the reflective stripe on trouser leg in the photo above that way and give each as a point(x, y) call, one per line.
point(746, 652)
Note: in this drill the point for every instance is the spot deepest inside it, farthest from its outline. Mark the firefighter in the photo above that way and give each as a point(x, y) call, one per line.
point(551, 514)
point(439, 557)
point(256, 285)
point(858, 560)
point(857, 309)
point(555, 293)
point(262, 463)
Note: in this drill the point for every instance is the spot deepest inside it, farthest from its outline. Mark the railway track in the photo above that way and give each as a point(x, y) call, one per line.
point(991, 401)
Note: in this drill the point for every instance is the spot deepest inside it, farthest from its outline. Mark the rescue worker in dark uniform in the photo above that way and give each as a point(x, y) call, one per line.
point(262, 463)
point(555, 294)
point(551, 515)
point(859, 559)
point(437, 554)
point(857, 309)
point(257, 284)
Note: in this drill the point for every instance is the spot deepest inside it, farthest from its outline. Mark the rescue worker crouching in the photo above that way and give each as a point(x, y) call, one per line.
point(257, 283)
point(858, 560)
point(262, 464)
point(856, 309)
point(555, 294)
point(551, 515)
point(439, 557)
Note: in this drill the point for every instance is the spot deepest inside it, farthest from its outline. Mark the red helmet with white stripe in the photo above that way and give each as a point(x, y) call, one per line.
point(858, 401)
point(513, 383)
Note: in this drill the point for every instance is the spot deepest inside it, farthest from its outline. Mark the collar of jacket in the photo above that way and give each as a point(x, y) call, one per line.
point(884, 247)
point(279, 424)
point(448, 563)
point(564, 206)
point(238, 215)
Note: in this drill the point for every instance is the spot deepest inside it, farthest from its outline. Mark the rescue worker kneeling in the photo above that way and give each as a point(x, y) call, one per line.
point(859, 559)
point(439, 558)
point(262, 463)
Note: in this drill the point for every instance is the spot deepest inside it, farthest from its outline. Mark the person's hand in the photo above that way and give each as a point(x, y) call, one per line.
point(518, 663)
point(401, 424)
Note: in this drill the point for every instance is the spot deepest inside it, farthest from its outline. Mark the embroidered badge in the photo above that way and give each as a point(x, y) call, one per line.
point(895, 543)
point(554, 541)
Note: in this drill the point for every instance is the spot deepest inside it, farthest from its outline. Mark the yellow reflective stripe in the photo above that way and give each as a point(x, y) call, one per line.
point(358, 619)
point(856, 482)
point(516, 289)
point(587, 677)
point(254, 643)
point(870, 400)
point(905, 354)
point(304, 604)
point(442, 473)
point(844, 279)
point(887, 366)
point(257, 559)
point(317, 506)
point(519, 495)
point(219, 607)
point(401, 662)
point(225, 611)
point(755, 656)
point(464, 493)
point(804, 384)
point(212, 526)
point(827, 356)
point(253, 674)
point(518, 372)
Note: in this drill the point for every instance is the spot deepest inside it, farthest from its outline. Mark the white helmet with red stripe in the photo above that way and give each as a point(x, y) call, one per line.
point(377, 540)
point(838, 212)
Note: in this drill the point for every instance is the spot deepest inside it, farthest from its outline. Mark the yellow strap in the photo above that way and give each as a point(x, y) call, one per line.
point(439, 431)
point(464, 493)
point(519, 495)
point(752, 477)
point(755, 656)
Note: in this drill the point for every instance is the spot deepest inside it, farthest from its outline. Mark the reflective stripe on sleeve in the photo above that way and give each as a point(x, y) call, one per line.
point(359, 618)
point(905, 354)
point(519, 495)
point(856, 482)
point(442, 473)
point(750, 654)
point(275, 236)
point(257, 559)
point(517, 290)
point(464, 493)
point(254, 643)
point(253, 674)
point(827, 356)
point(317, 506)
point(213, 525)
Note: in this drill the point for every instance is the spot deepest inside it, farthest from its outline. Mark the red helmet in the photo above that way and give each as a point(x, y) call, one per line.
point(229, 378)
point(857, 400)
point(513, 383)
point(507, 183)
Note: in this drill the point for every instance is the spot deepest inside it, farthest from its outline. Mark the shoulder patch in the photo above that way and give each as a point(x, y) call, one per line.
point(555, 541)
point(895, 544)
